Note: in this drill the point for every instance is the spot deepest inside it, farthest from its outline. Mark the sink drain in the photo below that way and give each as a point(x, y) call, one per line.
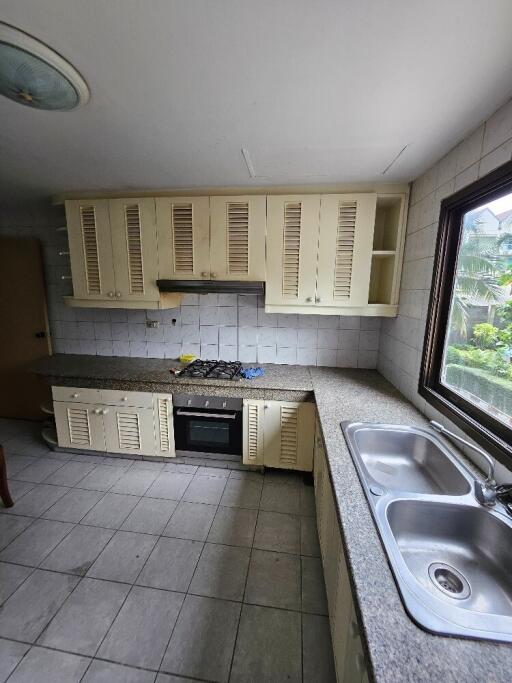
point(448, 580)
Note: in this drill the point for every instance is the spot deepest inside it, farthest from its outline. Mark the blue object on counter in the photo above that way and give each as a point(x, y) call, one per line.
point(251, 373)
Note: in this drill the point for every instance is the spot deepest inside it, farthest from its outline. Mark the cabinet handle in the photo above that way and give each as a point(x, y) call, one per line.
point(265, 406)
point(309, 299)
point(204, 274)
point(125, 398)
point(111, 294)
point(214, 275)
point(318, 299)
point(97, 411)
point(118, 294)
point(104, 411)
point(75, 395)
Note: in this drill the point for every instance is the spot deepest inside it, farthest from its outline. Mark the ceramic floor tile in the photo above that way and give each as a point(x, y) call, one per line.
point(191, 521)
point(74, 505)
point(280, 498)
point(39, 470)
point(277, 634)
point(274, 580)
point(102, 478)
point(277, 531)
point(70, 474)
point(18, 489)
point(202, 642)
point(317, 655)
point(313, 587)
point(233, 526)
point(206, 471)
point(17, 463)
point(150, 515)
point(221, 572)
point(37, 500)
point(48, 666)
point(31, 607)
point(171, 564)
point(205, 490)
point(12, 526)
point(111, 511)
point(84, 619)
point(307, 501)
point(123, 557)
point(141, 630)
point(135, 482)
point(78, 550)
point(11, 654)
point(106, 672)
point(169, 485)
point(278, 476)
point(242, 493)
point(309, 544)
point(180, 468)
point(255, 477)
point(34, 544)
point(11, 576)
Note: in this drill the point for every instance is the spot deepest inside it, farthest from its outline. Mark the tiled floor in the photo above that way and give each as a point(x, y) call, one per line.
point(115, 570)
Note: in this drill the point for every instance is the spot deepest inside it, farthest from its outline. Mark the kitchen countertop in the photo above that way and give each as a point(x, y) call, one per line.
point(397, 650)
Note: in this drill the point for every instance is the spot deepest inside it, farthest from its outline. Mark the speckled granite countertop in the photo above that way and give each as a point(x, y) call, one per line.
point(398, 651)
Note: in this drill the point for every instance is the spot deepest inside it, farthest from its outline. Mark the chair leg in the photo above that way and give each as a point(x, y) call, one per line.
point(4, 488)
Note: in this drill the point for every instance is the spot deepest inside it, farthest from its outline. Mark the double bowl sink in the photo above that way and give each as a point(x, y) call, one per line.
point(451, 557)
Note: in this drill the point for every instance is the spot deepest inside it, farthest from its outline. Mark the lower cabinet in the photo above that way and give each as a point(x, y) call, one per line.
point(279, 434)
point(134, 423)
point(346, 641)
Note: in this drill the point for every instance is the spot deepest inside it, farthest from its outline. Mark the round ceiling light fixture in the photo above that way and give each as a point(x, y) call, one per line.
point(33, 74)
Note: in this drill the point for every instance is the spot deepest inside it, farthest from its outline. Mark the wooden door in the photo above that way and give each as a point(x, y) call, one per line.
point(289, 431)
point(183, 228)
point(292, 245)
point(253, 417)
point(25, 335)
point(133, 228)
point(237, 237)
point(90, 249)
point(164, 427)
point(345, 249)
point(79, 425)
point(129, 430)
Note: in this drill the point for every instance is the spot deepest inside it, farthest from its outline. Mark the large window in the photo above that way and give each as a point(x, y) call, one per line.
point(467, 359)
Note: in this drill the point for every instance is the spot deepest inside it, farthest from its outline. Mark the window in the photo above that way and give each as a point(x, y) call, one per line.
point(467, 358)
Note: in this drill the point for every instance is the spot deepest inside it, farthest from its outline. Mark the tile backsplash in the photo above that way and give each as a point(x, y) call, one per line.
point(227, 326)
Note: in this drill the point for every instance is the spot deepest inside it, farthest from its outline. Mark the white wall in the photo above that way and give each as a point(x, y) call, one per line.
point(401, 341)
point(225, 326)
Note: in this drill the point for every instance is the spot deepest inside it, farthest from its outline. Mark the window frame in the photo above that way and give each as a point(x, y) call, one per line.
point(493, 435)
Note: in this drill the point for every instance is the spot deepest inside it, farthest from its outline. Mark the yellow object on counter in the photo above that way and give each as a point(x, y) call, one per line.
point(187, 357)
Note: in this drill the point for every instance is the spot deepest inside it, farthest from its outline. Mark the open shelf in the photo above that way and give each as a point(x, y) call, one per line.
point(387, 222)
point(382, 253)
point(381, 279)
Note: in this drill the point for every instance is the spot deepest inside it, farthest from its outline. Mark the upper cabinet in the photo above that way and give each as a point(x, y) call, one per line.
point(183, 228)
point(237, 238)
point(113, 251)
point(334, 254)
point(211, 238)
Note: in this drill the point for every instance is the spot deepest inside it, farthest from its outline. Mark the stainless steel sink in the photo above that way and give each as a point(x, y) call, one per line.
point(450, 556)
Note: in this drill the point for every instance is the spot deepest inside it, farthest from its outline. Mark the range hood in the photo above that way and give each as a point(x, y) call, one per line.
point(206, 286)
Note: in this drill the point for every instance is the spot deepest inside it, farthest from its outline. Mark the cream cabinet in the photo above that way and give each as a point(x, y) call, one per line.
point(211, 238)
point(113, 251)
point(346, 641)
point(183, 228)
point(319, 251)
point(136, 423)
point(279, 434)
point(237, 237)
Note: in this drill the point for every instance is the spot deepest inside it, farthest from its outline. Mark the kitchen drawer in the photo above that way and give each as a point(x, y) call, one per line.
point(137, 399)
point(72, 394)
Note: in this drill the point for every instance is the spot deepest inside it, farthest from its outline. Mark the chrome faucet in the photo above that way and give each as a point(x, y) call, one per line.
point(486, 491)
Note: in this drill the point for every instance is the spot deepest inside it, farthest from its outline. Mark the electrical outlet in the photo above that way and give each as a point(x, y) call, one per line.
point(152, 323)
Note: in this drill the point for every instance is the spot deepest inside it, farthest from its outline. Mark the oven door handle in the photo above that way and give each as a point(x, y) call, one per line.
point(187, 413)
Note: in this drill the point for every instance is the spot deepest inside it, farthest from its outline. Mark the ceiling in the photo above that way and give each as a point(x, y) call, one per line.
point(325, 91)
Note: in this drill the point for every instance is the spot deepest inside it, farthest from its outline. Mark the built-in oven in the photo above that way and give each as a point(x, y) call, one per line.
point(208, 425)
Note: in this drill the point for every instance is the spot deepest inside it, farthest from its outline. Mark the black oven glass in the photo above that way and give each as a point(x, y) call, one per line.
point(196, 430)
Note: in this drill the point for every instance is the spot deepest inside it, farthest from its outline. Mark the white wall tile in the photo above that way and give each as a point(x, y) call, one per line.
point(85, 330)
point(287, 336)
point(228, 300)
point(228, 352)
point(326, 357)
point(267, 336)
point(209, 334)
point(307, 337)
point(208, 315)
point(190, 334)
point(189, 315)
point(248, 317)
point(247, 354)
point(306, 356)
point(286, 355)
point(120, 348)
point(228, 315)
point(137, 331)
point(328, 322)
point(190, 300)
point(156, 349)
point(120, 331)
point(266, 354)
point(172, 351)
point(228, 336)
point(247, 336)
point(138, 349)
point(155, 334)
point(209, 351)
point(104, 347)
point(328, 339)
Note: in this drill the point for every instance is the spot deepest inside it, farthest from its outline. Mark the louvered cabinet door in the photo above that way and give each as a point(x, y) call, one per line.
point(134, 247)
point(129, 430)
point(345, 249)
point(253, 425)
point(292, 245)
point(183, 228)
point(79, 425)
point(237, 238)
point(90, 249)
point(289, 432)
point(164, 429)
